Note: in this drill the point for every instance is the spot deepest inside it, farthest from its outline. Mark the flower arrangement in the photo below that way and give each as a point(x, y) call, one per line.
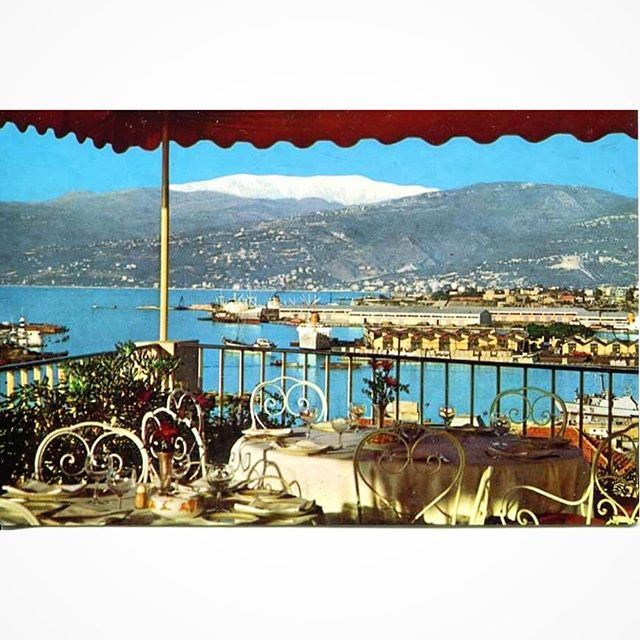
point(164, 437)
point(382, 387)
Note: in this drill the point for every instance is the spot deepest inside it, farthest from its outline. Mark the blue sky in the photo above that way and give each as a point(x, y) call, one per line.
point(35, 167)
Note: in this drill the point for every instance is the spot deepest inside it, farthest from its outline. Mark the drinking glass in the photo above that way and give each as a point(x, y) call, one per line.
point(308, 416)
point(340, 426)
point(120, 481)
point(219, 477)
point(97, 466)
point(356, 411)
point(501, 425)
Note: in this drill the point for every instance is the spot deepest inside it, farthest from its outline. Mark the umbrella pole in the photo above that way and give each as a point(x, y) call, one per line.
point(164, 240)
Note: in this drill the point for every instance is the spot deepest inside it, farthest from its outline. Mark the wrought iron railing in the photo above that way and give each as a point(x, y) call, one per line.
point(468, 386)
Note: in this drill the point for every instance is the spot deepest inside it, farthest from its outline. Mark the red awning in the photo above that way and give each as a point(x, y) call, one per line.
point(125, 129)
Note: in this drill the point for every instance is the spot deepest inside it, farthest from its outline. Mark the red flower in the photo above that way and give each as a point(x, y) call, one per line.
point(144, 396)
point(204, 401)
point(391, 382)
point(165, 435)
point(387, 365)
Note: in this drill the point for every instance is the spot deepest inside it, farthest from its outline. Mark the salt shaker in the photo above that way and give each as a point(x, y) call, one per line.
point(140, 501)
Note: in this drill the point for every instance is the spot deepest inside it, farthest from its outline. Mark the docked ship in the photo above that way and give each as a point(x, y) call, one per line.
point(313, 335)
point(595, 410)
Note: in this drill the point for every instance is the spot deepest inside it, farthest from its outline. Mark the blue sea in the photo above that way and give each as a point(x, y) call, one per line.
point(98, 318)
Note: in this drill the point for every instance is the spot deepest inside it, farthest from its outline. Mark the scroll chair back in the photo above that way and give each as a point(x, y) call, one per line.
point(63, 454)
point(14, 514)
point(185, 405)
point(481, 502)
point(265, 475)
point(532, 406)
point(281, 400)
point(189, 460)
point(610, 497)
point(410, 472)
point(616, 478)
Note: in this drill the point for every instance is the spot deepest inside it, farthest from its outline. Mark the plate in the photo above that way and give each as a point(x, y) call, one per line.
point(303, 448)
point(37, 489)
point(229, 518)
point(293, 521)
point(253, 434)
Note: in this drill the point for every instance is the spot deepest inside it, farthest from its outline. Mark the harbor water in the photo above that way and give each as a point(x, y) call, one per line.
point(98, 318)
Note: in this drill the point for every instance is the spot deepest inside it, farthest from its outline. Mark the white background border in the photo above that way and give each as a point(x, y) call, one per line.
point(311, 583)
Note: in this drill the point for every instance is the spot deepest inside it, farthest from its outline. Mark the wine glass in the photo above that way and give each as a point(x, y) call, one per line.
point(308, 416)
point(447, 414)
point(340, 425)
point(120, 481)
point(97, 466)
point(219, 476)
point(356, 411)
point(501, 425)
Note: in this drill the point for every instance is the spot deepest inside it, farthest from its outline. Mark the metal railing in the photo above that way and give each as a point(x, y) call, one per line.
point(434, 382)
point(467, 385)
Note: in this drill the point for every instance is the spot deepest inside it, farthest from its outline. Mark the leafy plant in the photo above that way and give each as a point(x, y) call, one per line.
point(117, 387)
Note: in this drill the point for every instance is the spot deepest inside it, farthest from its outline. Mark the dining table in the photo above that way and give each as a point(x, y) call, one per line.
point(79, 504)
point(324, 472)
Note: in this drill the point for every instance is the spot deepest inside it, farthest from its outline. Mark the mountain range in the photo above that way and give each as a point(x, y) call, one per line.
point(495, 234)
point(345, 190)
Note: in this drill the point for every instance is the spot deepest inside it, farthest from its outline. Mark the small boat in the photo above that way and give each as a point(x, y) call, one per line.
point(181, 306)
point(263, 343)
point(260, 343)
point(234, 343)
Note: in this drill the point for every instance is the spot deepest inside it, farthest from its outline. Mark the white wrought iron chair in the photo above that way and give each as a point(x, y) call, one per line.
point(479, 511)
point(184, 405)
point(63, 454)
point(189, 460)
point(534, 407)
point(610, 497)
point(274, 401)
point(410, 471)
point(14, 514)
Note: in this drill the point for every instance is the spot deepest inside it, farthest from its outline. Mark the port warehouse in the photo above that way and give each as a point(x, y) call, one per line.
point(359, 315)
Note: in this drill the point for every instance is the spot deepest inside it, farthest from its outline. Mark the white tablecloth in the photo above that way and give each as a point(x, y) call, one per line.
point(328, 478)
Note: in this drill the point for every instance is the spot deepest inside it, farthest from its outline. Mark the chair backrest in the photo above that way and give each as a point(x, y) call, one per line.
point(407, 411)
point(409, 472)
point(189, 459)
point(63, 454)
point(616, 478)
point(278, 401)
point(532, 406)
point(481, 501)
point(266, 475)
point(611, 493)
point(14, 514)
point(185, 405)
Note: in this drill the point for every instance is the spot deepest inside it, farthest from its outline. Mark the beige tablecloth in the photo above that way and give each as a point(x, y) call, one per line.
point(328, 478)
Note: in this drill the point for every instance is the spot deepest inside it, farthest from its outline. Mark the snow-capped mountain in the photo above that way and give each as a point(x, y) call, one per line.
point(346, 190)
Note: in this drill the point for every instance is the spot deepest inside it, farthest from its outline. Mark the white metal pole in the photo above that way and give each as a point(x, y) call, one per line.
point(164, 239)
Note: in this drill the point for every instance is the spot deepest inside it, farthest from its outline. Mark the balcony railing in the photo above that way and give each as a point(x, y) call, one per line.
point(468, 386)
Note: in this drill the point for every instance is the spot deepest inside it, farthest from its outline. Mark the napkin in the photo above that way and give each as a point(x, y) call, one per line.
point(323, 426)
point(286, 506)
point(31, 488)
point(90, 510)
